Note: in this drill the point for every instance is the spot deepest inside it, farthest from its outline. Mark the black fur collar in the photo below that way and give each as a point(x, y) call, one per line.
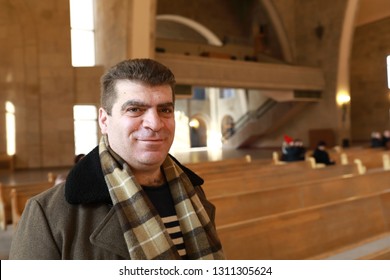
point(85, 182)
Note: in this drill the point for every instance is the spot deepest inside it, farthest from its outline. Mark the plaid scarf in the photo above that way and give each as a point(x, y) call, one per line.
point(144, 232)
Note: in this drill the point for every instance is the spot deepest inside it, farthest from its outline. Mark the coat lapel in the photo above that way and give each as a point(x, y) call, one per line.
point(109, 236)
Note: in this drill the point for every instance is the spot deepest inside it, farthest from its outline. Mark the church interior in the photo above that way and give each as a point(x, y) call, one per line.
point(250, 75)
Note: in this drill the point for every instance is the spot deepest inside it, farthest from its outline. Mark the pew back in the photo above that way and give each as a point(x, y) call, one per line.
point(370, 158)
point(257, 181)
point(235, 208)
point(5, 198)
point(304, 233)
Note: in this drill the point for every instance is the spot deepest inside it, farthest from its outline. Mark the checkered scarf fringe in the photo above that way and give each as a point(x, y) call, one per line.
point(144, 232)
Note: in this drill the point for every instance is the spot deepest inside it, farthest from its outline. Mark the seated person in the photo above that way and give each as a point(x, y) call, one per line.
point(287, 148)
point(376, 140)
point(321, 155)
point(293, 150)
point(386, 139)
point(299, 151)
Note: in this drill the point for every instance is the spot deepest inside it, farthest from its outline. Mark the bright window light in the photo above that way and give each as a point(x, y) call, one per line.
point(85, 128)
point(388, 71)
point(10, 128)
point(82, 32)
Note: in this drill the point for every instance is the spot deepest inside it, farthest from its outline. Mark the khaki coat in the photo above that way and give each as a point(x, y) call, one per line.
point(76, 220)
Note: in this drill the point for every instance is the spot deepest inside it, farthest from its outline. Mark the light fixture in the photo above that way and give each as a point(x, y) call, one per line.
point(343, 99)
point(194, 123)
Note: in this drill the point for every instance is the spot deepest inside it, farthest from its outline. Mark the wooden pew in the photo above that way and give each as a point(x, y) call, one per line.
point(5, 199)
point(237, 167)
point(234, 168)
point(253, 168)
point(8, 162)
point(247, 167)
point(373, 160)
point(370, 158)
point(19, 197)
point(234, 208)
point(222, 162)
point(308, 232)
point(5, 206)
point(220, 165)
point(258, 181)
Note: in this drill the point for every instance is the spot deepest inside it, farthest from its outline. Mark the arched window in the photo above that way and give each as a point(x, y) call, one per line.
point(10, 128)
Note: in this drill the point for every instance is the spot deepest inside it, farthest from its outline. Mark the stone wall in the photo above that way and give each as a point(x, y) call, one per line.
point(369, 90)
point(111, 31)
point(36, 75)
point(301, 18)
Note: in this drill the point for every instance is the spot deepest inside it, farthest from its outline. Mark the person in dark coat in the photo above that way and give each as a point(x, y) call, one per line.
point(293, 150)
point(386, 139)
point(376, 140)
point(321, 155)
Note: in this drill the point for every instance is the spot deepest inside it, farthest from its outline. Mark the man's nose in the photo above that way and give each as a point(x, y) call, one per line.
point(152, 120)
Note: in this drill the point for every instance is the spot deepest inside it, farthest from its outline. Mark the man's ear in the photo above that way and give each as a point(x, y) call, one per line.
point(103, 120)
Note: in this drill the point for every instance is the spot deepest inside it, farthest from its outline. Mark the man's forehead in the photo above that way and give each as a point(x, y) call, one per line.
point(127, 86)
point(139, 102)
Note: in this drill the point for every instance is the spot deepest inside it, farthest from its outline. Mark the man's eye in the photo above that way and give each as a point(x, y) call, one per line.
point(133, 109)
point(167, 110)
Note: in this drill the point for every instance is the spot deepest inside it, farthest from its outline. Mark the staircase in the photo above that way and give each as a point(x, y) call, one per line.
point(267, 119)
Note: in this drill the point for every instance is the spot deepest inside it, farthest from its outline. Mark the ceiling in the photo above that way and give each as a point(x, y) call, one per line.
point(372, 10)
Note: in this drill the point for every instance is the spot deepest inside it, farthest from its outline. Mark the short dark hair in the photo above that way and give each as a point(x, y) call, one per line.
point(143, 70)
point(321, 143)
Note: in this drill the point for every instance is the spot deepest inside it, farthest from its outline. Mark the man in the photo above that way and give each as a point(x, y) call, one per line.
point(128, 198)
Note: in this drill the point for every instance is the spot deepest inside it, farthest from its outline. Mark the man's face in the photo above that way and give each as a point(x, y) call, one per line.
point(141, 127)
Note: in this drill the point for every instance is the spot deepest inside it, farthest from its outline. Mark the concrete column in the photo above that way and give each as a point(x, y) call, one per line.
point(142, 26)
point(343, 90)
point(214, 131)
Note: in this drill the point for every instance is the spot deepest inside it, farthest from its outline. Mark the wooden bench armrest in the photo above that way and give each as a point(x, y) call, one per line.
point(3, 220)
point(15, 207)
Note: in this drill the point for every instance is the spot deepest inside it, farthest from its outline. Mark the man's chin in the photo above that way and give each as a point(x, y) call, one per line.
point(152, 158)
